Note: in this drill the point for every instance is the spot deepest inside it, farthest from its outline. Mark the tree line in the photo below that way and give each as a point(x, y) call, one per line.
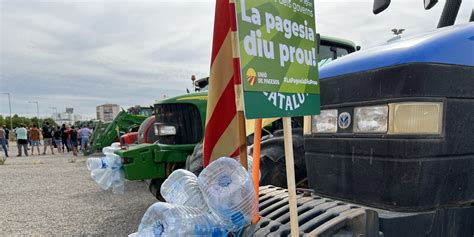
point(28, 122)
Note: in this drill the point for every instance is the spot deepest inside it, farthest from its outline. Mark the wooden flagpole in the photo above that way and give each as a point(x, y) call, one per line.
point(242, 139)
point(290, 175)
point(257, 136)
point(238, 86)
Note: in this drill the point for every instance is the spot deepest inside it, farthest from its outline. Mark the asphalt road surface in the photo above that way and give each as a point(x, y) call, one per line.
point(53, 195)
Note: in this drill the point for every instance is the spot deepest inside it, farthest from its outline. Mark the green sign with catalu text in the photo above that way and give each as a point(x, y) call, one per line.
point(278, 62)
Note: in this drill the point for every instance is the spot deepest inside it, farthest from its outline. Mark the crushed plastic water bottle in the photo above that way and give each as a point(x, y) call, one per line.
point(107, 178)
point(165, 219)
point(95, 163)
point(111, 149)
point(107, 171)
point(229, 192)
point(182, 188)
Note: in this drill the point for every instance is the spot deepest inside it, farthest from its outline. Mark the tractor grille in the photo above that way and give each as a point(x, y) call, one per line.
point(187, 120)
point(317, 216)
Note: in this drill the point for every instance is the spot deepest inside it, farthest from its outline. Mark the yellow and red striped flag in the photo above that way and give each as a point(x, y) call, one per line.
point(221, 137)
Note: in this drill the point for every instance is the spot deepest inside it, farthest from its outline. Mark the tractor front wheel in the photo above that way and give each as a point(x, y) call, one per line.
point(155, 186)
point(272, 159)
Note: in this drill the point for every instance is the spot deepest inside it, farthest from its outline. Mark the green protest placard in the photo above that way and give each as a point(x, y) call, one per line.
point(277, 47)
point(259, 104)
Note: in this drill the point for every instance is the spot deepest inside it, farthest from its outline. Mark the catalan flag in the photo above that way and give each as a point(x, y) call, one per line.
point(221, 137)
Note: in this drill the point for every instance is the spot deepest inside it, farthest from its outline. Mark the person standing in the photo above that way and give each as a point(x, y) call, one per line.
point(84, 133)
point(28, 137)
point(7, 136)
point(68, 137)
point(57, 139)
point(22, 139)
point(3, 140)
point(73, 140)
point(35, 139)
point(64, 135)
point(47, 138)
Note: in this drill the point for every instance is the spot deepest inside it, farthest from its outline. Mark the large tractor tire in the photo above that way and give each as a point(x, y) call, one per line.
point(272, 159)
point(154, 187)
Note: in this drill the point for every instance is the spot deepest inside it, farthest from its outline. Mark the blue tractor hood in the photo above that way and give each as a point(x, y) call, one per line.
point(448, 45)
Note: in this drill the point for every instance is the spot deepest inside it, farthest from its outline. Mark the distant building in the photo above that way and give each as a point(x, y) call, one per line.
point(77, 117)
point(63, 118)
point(107, 112)
point(67, 117)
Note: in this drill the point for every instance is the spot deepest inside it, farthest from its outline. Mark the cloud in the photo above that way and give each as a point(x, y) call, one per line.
point(354, 19)
point(84, 53)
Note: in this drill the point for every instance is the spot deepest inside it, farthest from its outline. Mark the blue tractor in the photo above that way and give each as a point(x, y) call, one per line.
point(392, 152)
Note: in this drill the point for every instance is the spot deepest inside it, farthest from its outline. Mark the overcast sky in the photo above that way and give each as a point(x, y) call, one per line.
point(81, 54)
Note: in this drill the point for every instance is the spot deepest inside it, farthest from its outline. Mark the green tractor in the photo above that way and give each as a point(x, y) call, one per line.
point(105, 133)
point(180, 123)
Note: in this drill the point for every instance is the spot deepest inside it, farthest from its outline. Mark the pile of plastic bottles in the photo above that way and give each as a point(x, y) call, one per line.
point(220, 201)
point(107, 171)
point(182, 188)
point(165, 219)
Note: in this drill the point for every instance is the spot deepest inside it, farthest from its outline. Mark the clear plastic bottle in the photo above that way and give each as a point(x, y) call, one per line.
point(182, 188)
point(95, 163)
point(165, 219)
point(113, 161)
point(108, 178)
point(109, 161)
point(107, 172)
point(102, 178)
point(111, 149)
point(228, 190)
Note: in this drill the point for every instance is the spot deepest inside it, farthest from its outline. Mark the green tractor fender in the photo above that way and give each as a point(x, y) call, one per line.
point(153, 161)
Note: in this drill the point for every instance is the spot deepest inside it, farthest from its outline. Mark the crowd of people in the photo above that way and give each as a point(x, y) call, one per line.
point(62, 138)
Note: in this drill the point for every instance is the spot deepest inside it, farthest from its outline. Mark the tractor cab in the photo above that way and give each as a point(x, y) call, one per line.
point(332, 48)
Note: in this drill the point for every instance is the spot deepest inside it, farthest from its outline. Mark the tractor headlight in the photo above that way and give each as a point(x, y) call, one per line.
point(370, 119)
point(165, 130)
point(325, 122)
point(416, 118)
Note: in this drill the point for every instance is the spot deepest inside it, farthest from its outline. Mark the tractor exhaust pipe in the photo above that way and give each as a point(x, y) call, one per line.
point(450, 12)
